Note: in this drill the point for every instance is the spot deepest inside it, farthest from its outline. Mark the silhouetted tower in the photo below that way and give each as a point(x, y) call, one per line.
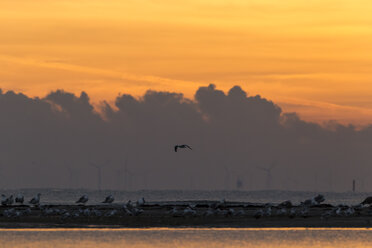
point(127, 175)
point(239, 184)
point(354, 185)
point(268, 175)
point(227, 178)
point(99, 175)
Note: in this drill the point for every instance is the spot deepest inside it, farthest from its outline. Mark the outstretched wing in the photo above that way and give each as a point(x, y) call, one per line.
point(175, 148)
point(188, 147)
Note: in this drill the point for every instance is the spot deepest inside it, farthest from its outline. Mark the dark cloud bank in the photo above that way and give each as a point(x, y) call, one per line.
point(52, 141)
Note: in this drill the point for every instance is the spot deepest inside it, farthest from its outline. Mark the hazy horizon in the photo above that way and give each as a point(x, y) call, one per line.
point(52, 142)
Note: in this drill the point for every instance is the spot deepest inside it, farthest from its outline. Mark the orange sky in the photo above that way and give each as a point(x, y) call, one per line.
point(312, 57)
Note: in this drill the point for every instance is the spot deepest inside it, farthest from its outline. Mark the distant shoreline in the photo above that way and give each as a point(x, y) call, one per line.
point(230, 215)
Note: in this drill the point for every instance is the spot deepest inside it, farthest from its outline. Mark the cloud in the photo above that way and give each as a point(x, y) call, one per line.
point(232, 133)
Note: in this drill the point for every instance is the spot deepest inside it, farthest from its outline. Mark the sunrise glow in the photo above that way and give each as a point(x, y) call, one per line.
point(311, 57)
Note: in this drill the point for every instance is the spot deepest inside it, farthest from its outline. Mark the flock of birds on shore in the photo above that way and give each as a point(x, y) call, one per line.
point(129, 208)
point(221, 208)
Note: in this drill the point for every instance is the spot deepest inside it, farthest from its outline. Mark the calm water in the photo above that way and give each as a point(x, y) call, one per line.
point(186, 238)
point(61, 196)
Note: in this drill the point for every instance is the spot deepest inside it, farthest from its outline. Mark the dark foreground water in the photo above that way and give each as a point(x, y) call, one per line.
point(282, 237)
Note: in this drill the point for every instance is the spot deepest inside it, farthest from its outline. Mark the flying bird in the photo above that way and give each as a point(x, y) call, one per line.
point(83, 199)
point(181, 146)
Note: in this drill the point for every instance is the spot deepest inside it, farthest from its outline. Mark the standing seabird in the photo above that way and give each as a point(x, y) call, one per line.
point(109, 199)
point(5, 201)
point(368, 201)
point(19, 199)
point(83, 199)
point(141, 202)
point(35, 200)
point(181, 146)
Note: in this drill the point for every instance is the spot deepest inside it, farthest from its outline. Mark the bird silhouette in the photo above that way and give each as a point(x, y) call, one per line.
point(181, 146)
point(83, 199)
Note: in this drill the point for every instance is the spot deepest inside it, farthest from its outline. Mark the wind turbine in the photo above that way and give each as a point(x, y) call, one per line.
point(239, 183)
point(99, 174)
point(72, 175)
point(127, 173)
point(268, 174)
point(227, 178)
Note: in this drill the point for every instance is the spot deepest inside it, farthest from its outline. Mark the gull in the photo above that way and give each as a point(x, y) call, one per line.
point(3, 199)
point(111, 213)
point(282, 212)
point(209, 212)
point(9, 212)
point(136, 211)
point(326, 215)
point(83, 199)
point(319, 199)
point(189, 212)
point(349, 211)
point(258, 214)
point(141, 202)
point(87, 212)
point(267, 210)
point(97, 213)
point(292, 213)
point(304, 212)
point(6, 201)
point(368, 200)
point(109, 199)
point(174, 212)
point(231, 212)
point(181, 146)
point(286, 204)
point(35, 200)
point(19, 199)
point(128, 205)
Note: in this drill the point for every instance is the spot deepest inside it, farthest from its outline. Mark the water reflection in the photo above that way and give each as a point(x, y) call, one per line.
point(165, 237)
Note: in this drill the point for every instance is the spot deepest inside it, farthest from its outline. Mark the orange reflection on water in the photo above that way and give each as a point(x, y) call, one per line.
point(186, 237)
